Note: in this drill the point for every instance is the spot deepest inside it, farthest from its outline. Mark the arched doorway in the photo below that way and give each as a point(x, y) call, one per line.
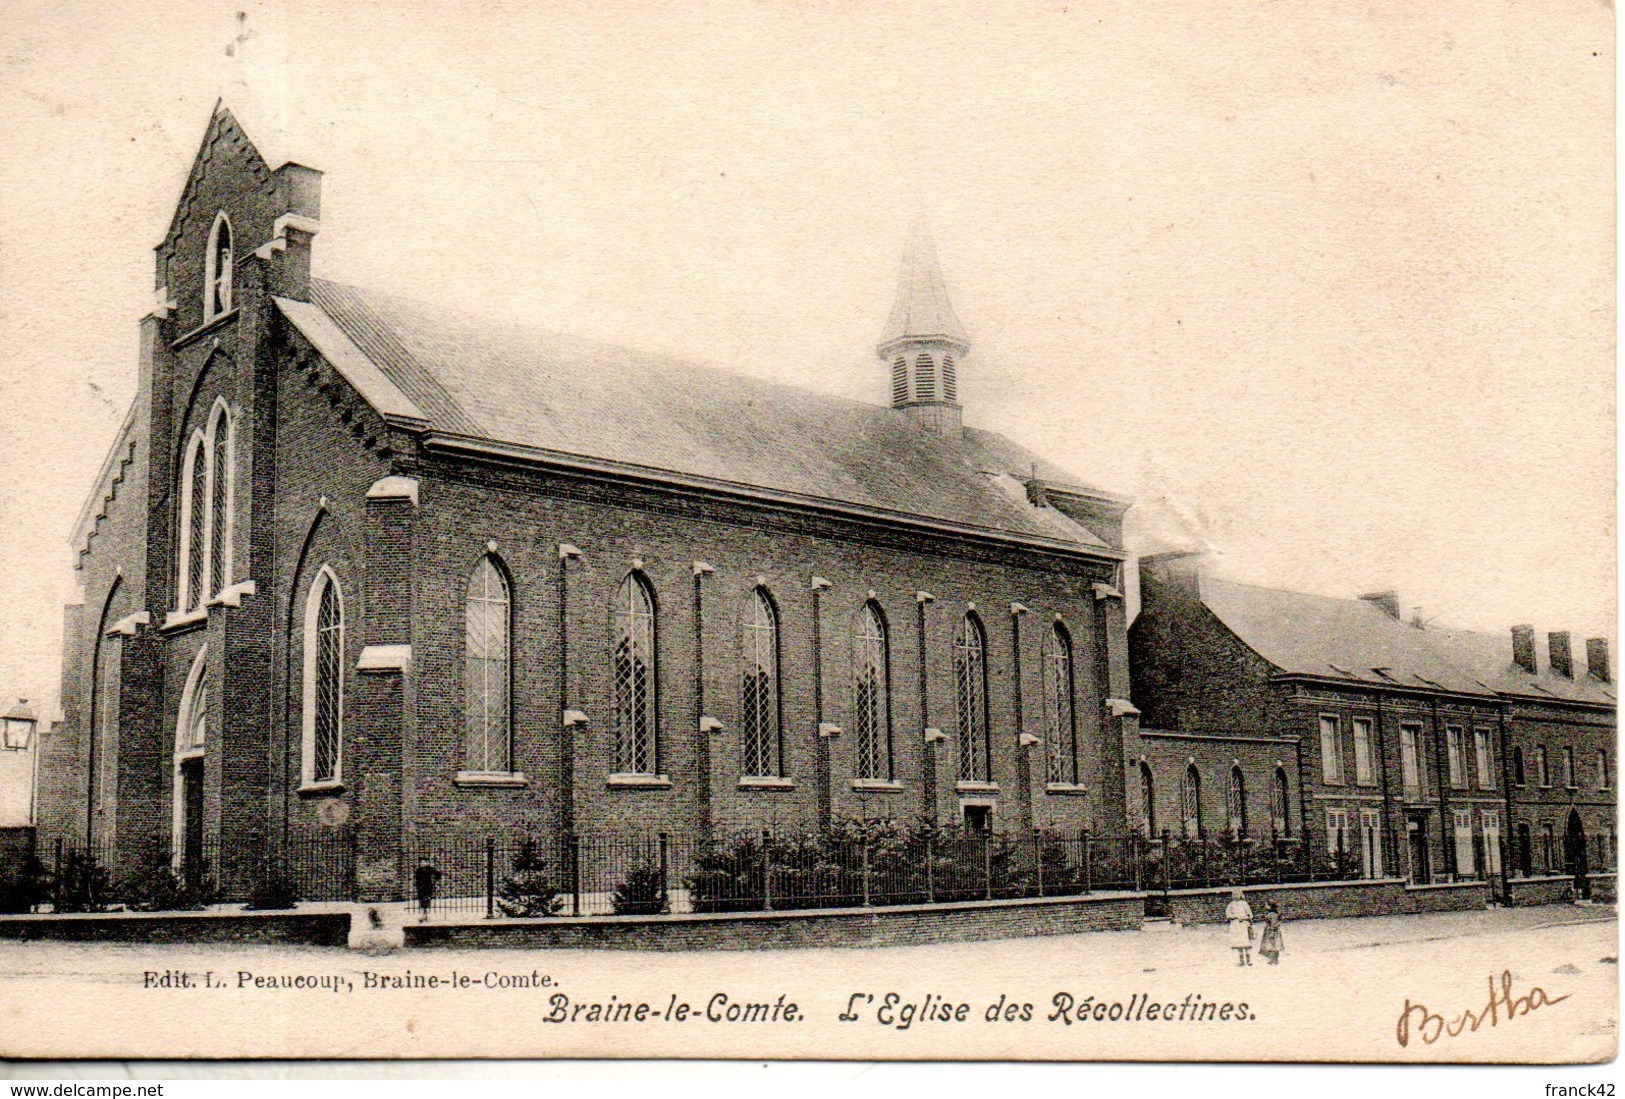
point(191, 740)
point(1574, 855)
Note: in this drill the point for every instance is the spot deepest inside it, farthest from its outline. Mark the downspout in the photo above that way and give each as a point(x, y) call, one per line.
point(1506, 790)
point(1447, 845)
point(1390, 833)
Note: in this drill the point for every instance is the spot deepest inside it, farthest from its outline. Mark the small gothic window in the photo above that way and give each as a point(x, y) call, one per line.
point(1517, 767)
point(220, 507)
point(950, 384)
point(324, 679)
point(1236, 803)
point(1060, 732)
point(217, 273)
point(899, 381)
point(196, 574)
point(1148, 800)
point(487, 677)
point(871, 704)
point(925, 378)
point(635, 677)
point(1278, 803)
point(970, 692)
point(759, 687)
point(1190, 801)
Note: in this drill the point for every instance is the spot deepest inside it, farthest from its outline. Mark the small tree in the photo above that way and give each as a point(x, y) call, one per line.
point(160, 889)
point(529, 890)
point(643, 893)
point(84, 885)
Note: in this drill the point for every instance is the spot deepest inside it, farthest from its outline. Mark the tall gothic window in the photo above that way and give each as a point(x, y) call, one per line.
point(1278, 804)
point(217, 270)
point(635, 677)
point(1190, 803)
point(488, 677)
point(1060, 725)
point(759, 686)
point(970, 692)
point(1236, 803)
point(1148, 800)
point(220, 463)
point(196, 574)
point(871, 694)
point(324, 680)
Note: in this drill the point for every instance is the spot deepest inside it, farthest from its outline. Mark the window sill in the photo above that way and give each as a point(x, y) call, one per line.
point(491, 778)
point(232, 595)
point(766, 782)
point(883, 785)
point(966, 786)
point(325, 786)
point(177, 621)
point(627, 781)
point(1071, 789)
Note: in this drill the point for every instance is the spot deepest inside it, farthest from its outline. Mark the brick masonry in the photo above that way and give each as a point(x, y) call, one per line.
point(189, 928)
point(1331, 900)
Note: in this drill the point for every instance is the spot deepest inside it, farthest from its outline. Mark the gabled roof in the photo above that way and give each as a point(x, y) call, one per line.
point(1488, 659)
point(487, 379)
point(922, 310)
point(1348, 639)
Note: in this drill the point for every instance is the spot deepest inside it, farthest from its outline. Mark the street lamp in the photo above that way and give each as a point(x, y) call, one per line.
point(20, 721)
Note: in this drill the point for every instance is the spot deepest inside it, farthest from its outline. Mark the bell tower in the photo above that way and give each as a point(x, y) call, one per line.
point(923, 342)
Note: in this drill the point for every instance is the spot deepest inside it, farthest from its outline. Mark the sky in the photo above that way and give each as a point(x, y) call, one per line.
point(1326, 287)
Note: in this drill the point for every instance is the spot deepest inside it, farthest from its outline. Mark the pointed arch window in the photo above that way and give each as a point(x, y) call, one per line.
point(970, 693)
point(487, 677)
point(1148, 800)
point(1279, 820)
point(759, 687)
point(324, 681)
point(221, 436)
point(871, 694)
point(1190, 802)
point(206, 503)
point(194, 578)
point(1061, 731)
point(1235, 803)
point(217, 269)
point(634, 660)
point(925, 378)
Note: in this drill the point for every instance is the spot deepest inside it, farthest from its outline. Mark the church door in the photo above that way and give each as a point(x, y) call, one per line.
point(192, 819)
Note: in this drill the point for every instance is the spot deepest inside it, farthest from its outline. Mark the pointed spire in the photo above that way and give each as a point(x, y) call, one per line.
point(922, 310)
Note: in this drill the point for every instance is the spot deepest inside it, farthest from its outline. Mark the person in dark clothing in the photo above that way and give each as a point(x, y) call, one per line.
point(1271, 945)
point(424, 880)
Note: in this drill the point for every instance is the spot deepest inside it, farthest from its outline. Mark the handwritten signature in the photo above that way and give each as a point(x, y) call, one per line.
point(1431, 1026)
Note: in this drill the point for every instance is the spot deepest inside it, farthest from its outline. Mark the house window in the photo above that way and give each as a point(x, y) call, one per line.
point(1148, 800)
point(1331, 752)
point(1235, 803)
point(1453, 756)
point(871, 694)
point(1568, 768)
point(1410, 758)
point(1517, 767)
point(1060, 730)
point(1364, 773)
point(1602, 769)
point(759, 686)
point(970, 692)
point(487, 680)
point(217, 270)
point(324, 680)
point(634, 663)
point(1491, 821)
point(1370, 843)
point(1338, 836)
point(1543, 765)
point(220, 478)
point(1483, 759)
point(1190, 803)
point(1279, 819)
point(1463, 820)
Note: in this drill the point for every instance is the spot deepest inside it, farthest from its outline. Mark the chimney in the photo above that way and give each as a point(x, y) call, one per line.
point(1562, 658)
point(1523, 648)
point(1597, 659)
point(1386, 601)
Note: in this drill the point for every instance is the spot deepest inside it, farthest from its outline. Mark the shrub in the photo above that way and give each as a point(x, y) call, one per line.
point(274, 891)
point(643, 893)
point(529, 890)
point(83, 885)
point(160, 889)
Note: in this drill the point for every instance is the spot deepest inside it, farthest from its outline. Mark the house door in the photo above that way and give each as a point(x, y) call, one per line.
point(1574, 855)
point(192, 819)
point(1416, 829)
point(1526, 852)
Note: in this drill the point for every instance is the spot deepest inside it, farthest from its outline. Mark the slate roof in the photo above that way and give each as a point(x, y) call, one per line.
point(1488, 659)
point(496, 380)
point(922, 308)
point(1348, 639)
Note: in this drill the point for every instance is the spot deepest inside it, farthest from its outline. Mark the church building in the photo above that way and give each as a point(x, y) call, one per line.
point(364, 564)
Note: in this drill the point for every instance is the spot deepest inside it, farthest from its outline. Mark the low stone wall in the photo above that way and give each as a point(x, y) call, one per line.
point(900, 925)
point(1526, 892)
point(1306, 901)
point(1462, 896)
point(1605, 888)
point(307, 928)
